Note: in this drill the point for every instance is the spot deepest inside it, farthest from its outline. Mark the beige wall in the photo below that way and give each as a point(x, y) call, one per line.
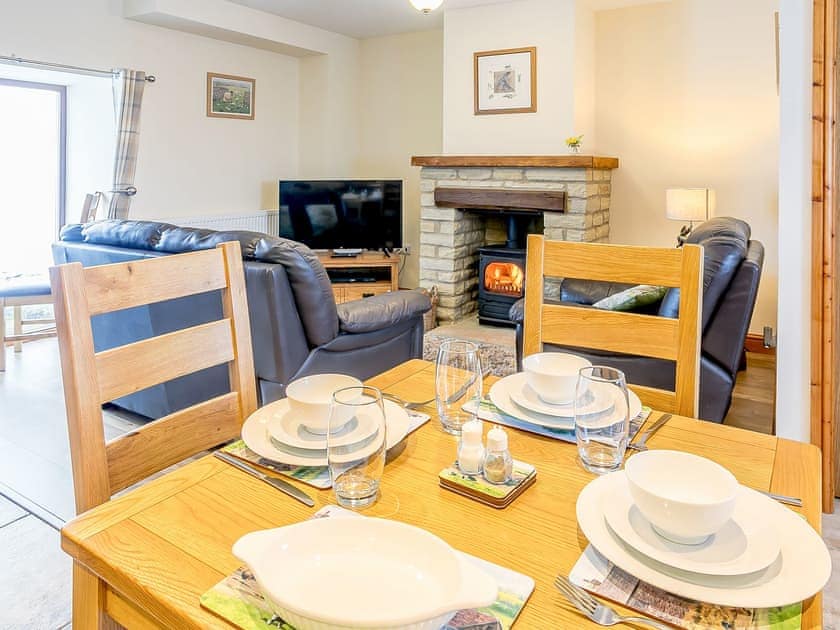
point(401, 97)
point(547, 24)
point(686, 97)
point(189, 164)
point(329, 112)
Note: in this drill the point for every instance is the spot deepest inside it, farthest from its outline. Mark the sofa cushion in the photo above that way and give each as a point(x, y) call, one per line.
point(381, 311)
point(307, 276)
point(632, 299)
point(158, 237)
point(310, 284)
point(582, 291)
point(724, 242)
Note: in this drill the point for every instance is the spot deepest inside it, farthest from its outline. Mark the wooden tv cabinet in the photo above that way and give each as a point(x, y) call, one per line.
point(384, 269)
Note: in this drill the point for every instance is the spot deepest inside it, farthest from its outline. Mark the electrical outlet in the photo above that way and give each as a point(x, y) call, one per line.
point(406, 249)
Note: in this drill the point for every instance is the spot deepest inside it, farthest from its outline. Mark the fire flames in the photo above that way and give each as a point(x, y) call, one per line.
point(504, 278)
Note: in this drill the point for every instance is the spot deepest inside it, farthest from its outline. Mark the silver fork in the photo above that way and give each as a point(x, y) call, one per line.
point(406, 404)
point(416, 405)
point(596, 611)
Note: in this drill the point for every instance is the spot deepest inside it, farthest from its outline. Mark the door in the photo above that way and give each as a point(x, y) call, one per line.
point(32, 174)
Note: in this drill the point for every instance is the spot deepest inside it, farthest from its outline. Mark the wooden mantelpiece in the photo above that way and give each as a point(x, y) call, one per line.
point(514, 161)
point(500, 199)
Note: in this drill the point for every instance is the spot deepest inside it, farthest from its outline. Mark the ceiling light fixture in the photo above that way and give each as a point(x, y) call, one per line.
point(426, 6)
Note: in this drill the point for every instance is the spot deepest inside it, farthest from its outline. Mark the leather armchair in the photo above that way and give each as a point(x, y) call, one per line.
point(296, 327)
point(732, 271)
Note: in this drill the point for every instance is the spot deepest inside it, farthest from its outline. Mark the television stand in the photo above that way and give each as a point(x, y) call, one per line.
point(345, 253)
point(360, 276)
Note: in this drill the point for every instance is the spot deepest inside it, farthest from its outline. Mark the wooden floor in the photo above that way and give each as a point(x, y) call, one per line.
point(753, 400)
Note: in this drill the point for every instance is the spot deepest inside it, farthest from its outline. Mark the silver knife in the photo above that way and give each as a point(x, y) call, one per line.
point(639, 445)
point(282, 486)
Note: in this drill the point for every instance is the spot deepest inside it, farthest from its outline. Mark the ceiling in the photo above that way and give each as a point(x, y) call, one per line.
point(374, 18)
point(360, 18)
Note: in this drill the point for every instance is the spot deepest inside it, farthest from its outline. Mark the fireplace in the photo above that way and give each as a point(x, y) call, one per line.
point(501, 274)
point(466, 203)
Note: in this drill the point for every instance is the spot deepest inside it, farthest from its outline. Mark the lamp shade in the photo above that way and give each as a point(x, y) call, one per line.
point(426, 6)
point(689, 204)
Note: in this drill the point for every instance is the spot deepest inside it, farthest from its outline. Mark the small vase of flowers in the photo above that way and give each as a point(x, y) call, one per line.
point(574, 143)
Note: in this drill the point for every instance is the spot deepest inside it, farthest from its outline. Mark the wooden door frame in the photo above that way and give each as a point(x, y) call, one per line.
point(824, 315)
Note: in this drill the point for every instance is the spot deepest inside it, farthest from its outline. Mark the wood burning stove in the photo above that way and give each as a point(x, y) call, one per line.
point(501, 282)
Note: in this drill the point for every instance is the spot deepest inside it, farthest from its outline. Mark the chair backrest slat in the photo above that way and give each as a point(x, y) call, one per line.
point(124, 285)
point(677, 340)
point(127, 369)
point(92, 378)
point(171, 439)
point(629, 333)
point(629, 264)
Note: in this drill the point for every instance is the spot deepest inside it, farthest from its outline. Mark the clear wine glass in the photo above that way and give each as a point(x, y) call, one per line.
point(457, 382)
point(356, 469)
point(601, 437)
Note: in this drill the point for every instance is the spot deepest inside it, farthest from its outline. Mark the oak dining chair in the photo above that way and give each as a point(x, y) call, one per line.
point(676, 340)
point(92, 378)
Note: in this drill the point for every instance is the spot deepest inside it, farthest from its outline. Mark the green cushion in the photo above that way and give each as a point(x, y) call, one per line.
point(632, 298)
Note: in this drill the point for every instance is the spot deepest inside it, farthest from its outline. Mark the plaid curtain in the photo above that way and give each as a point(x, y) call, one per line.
point(128, 95)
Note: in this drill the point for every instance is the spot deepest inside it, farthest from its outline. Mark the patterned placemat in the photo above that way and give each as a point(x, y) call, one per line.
point(486, 410)
point(601, 577)
point(315, 476)
point(238, 599)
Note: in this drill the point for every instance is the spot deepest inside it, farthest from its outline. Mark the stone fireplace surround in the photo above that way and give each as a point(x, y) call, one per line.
point(450, 238)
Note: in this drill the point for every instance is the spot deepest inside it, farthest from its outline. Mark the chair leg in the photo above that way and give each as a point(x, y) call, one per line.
point(89, 601)
point(18, 325)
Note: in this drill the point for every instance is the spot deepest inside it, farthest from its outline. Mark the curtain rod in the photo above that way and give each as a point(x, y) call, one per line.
point(65, 68)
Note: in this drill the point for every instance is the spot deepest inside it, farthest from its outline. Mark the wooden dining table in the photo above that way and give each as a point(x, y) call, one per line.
point(157, 548)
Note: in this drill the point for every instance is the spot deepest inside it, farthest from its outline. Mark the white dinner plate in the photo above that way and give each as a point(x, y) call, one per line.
point(801, 569)
point(746, 543)
point(598, 400)
point(285, 428)
point(256, 437)
point(500, 396)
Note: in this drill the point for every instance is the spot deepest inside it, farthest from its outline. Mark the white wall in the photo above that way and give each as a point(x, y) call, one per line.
point(547, 24)
point(686, 97)
point(188, 163)
point(400, 112)
point(793, 356)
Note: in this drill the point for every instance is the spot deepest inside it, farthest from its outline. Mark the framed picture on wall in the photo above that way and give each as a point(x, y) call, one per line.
point(505, 81)
point(230, 97)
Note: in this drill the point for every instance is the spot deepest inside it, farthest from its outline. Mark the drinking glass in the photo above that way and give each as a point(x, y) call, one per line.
point(601, 437)
point(457, 382)
point(356, 468)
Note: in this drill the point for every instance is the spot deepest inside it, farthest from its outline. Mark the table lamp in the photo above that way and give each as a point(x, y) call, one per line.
point(689, 204)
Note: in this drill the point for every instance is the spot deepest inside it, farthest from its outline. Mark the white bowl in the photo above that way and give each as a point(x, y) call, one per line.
point(340, 573)
point(554, 375)
point(310, 398)
point(685, 497)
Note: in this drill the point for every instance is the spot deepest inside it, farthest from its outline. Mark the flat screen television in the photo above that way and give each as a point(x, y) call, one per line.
point(342, 214)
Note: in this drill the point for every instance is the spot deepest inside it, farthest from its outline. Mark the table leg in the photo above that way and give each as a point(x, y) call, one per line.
point(89, 601)
point(18, 325)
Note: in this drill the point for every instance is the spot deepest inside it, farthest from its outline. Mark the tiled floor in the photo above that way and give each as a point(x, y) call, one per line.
point(35, 471)
point(35, 579)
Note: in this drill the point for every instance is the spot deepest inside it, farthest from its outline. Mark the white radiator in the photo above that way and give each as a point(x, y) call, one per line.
point(265, 221)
